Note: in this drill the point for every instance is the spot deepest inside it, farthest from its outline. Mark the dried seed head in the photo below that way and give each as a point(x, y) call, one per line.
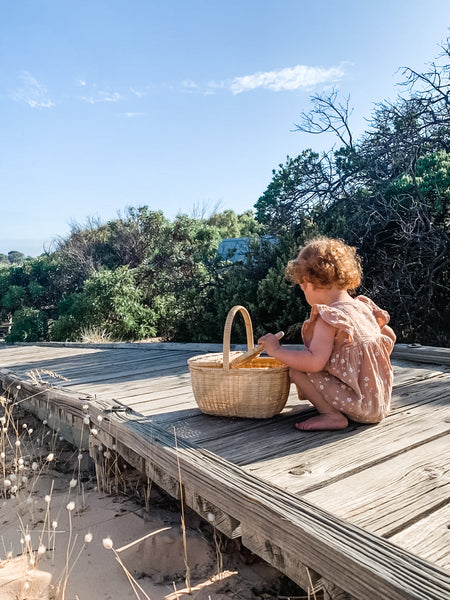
point(70, 506)
point(72, 483)
point(50, 457)
point(107, 543)
point(88, 538)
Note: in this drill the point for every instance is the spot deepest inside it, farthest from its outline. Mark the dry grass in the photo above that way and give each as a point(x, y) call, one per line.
point(95, 335)
point(29, 452)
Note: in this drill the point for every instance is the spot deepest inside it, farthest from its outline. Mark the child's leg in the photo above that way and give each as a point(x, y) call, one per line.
point(329, 418)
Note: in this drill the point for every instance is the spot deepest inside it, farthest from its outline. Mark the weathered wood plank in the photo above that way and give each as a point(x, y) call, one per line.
point(12, 354)
point(297, 531)
point(243, 452)
point(429, 354)
point(164, 384)
point(127, 371)
point(71, 365)
point(314, 464)
point(409, 351)
point(267, 548)
point(395, 494)
point(429, 537)
point(123, 389)
point(407, 373)
point(128, 375)
point(362, 564)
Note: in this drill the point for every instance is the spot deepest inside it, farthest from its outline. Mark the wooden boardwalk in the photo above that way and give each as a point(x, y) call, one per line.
point(366, 509)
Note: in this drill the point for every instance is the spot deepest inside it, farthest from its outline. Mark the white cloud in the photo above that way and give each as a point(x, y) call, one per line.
point(32, 92)
point(217, 85)
point(102, 97)
point(290, 78)
point(188, 84)
point(138, 93)
point(130, 115)
point(81, 82)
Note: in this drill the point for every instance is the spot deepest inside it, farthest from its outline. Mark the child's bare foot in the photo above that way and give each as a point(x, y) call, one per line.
point(323, 421)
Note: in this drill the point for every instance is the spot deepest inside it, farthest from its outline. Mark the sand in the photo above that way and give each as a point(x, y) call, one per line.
point(57, 529)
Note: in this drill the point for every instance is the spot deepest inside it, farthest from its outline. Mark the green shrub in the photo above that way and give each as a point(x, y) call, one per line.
point(109, 301)
point(14, 297)
point(29, 325)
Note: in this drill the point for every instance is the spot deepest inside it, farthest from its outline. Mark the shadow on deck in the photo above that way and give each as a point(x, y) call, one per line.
point(350, 505)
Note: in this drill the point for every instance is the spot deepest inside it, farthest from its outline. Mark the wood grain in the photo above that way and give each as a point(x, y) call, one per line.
point(325, 501)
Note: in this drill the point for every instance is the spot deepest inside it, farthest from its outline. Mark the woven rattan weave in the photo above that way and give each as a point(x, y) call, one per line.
point(257, 389)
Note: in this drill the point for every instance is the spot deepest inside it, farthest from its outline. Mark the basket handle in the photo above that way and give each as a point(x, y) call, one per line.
point(227, 333)
point(247, 356)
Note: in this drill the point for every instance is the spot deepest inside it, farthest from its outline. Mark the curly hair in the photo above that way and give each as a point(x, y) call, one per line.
point(326, 262)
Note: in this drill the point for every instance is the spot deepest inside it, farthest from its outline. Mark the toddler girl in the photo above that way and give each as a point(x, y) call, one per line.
point(345, 370)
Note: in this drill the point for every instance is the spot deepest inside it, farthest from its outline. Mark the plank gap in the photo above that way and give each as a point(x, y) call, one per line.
point(363, 467)
point(418, 517)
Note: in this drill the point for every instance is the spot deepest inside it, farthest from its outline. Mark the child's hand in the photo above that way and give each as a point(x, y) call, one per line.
point(270, 343)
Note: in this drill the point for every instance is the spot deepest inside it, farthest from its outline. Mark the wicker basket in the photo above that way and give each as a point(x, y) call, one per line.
point(257, 389)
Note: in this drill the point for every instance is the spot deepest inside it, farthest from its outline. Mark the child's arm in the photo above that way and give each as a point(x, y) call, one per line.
point(312, 359)
point(386, 330)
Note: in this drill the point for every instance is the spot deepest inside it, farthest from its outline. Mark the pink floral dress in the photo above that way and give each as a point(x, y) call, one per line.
point(357, 380)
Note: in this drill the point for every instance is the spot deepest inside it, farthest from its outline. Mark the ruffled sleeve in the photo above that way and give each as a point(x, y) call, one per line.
point(331, 315)
point(382, 316)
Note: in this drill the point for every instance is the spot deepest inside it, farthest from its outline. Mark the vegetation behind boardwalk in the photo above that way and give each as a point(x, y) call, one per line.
point(387, 193)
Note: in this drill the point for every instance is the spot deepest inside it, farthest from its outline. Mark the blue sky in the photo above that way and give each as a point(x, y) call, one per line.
point(180, 104)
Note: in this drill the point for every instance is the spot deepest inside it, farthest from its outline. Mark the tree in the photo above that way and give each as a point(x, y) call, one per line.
point(110, 301)
point(299, 186)
point(15, 257)
point(386, 193)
